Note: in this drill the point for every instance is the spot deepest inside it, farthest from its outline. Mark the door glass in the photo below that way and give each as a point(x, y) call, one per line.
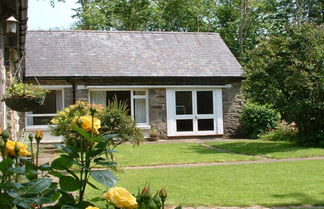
point(184, 125)
point(205, 102)
point(205, 124)
point(183, 102)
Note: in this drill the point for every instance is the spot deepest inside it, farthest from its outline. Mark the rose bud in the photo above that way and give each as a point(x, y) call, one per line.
point(39, 135)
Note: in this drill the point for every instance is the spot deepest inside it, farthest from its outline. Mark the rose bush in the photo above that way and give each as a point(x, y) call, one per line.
point(114, 120)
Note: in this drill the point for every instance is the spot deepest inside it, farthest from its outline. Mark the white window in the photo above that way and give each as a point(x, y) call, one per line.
point(136, 100)
point(54, 102)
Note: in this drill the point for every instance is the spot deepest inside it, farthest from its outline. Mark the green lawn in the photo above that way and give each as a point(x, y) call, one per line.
point(270, 149)
point(268, 184)
point(172, 153)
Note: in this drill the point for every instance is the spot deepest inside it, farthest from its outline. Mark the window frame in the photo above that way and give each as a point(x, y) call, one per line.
point(132, 97)
point(44, 127)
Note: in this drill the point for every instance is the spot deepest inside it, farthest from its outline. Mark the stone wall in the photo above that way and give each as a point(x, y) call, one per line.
point(232, 108)
point(157, 111)
point(81, 94)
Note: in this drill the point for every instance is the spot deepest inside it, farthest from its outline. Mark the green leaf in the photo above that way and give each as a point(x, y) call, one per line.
point(11, 185)
point(68, 183)
point(104, 177)
point(37, 186)
point(69, 207)
point(67, 150)
point(66, 198)
point(55, 173)
point(92, 185)
point(97, 139)
point(96, 152)
point(37, 200)
point(52, 194)
point(18, 170)
point(61, 163)
point(6, 164)
point(82, 132)
point(109, 136)
point(45, 167)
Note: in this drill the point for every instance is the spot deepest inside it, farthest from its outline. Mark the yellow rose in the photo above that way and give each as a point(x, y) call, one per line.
point(86, 124)
point(10, 148)
point(90, 207)
point(121, 198)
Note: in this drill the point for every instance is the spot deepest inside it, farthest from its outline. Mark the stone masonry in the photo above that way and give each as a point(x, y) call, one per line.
point(157, 111)
point(232, 108)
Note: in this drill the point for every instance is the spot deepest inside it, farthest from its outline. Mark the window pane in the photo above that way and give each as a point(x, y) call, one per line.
point(143, 93)
point(140, 110)
point(122, 96)
point(52, 104)
point(98, 97)
point(184, 125)
point(183, 102)
point(205, 102)
point(38, 120)
point(205, 124)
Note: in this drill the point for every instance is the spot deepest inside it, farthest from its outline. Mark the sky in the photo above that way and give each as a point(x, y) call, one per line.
point(42, 16)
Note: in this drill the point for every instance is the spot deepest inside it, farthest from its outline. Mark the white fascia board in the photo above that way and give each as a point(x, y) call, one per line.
point(156, 87)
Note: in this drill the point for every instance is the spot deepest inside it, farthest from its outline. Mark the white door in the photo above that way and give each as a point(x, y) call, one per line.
point(194, 112)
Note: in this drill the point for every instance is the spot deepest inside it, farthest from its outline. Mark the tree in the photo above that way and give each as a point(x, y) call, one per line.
point(287, 71)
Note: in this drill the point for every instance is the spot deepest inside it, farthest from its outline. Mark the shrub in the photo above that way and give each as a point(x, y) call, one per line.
point(257, 119)
point(283, 132)
point(114, 120)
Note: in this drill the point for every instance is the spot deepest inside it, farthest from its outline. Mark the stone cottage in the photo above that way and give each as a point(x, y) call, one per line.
point(183, 84)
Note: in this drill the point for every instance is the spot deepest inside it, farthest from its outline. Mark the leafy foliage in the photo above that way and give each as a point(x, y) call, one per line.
point(114, 120)
point(257, 119)
point(25, 90)
point(283, 132)
point(287, 72)
point(241, 23)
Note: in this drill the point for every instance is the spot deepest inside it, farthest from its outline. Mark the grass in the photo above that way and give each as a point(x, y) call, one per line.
point(268, 184)
point(174, 153)
point(269, 149)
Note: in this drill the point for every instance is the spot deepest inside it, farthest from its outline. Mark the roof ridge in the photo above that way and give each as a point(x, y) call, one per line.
point(144, 32)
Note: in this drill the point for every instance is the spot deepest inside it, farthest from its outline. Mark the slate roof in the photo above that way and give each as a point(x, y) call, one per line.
point(106, 54)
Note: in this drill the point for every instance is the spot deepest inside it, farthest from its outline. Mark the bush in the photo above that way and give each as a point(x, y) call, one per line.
point(283, 132)
point(114, 120)
point(257, 119)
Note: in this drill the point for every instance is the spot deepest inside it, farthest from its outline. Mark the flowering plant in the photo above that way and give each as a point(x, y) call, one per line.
point(84, 155)
point(20, 185)
point(113, 118)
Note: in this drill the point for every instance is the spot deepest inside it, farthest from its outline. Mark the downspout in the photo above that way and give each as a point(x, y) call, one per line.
point(73, 92)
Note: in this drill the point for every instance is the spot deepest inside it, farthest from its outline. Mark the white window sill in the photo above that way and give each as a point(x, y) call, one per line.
point(143, 126)
point(46, 127)
point(38, 127)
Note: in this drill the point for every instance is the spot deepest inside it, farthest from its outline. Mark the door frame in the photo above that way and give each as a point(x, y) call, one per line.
point(217, 116)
